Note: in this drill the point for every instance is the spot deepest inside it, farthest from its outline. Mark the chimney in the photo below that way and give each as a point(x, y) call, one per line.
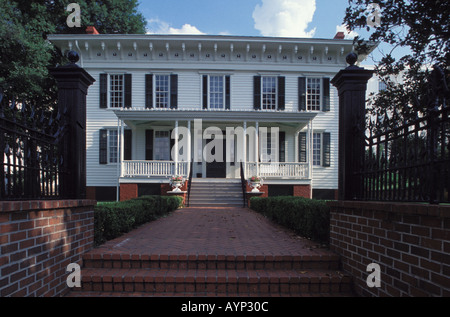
point(91, 30)
point(339, 36)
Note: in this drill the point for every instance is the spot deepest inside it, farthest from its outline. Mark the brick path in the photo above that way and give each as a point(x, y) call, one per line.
point(212, 252)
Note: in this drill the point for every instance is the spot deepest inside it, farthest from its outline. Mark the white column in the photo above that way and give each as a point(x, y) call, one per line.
point(256, 147)
point(119, 162)
point(176, 147)
point(188, 150)
point(245, 149)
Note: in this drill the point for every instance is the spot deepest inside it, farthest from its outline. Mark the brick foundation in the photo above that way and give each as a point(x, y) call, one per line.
point(302, 191)
point(128, 191)
point(410, 242)
point(39, 239)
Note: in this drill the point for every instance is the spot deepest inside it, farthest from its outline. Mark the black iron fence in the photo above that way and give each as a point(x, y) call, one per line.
point(30, 159)
point(411, 161)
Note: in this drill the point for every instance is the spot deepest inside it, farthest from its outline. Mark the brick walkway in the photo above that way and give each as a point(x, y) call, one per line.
point(212, 252)
point(212, 231)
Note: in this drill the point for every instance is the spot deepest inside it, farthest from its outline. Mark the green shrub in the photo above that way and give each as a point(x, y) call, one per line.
point(113, 219)
point(307, 217)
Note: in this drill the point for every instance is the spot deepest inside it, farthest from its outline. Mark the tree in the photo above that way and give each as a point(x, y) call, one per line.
point(423, 27)
point(26, 55)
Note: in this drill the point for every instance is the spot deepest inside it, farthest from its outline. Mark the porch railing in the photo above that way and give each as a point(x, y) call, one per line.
point(277, 170)
point(154, 168)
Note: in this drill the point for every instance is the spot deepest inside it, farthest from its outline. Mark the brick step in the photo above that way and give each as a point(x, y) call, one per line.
point(215, 282)
point(234, 262)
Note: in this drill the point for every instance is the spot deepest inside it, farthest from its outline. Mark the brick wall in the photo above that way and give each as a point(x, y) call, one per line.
point(302, 191)
point(38, 239)
point(128, 191)
point(410, 242)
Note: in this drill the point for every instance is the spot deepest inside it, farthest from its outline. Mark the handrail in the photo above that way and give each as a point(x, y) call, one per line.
point(189, 183)
point(243, 184)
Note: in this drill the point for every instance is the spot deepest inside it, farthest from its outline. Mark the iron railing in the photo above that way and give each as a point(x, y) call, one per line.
point(31, 162)
point(410, 162)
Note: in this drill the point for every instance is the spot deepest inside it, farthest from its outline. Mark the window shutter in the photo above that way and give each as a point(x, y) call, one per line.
point(281, 92)
point(282, 146)
point(302, 157)
point(326, 139)
point(326, 94)
point(301, 94)
point(173, 91)
point(149, 145)
point(257, 92)
point(148, 91)
point(227, 92)
point(127, 145)
point(103, 91)
point(103, 147)
point(205, 91)
point(128, 90)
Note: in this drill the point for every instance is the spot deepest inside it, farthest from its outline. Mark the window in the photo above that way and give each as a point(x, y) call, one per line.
point(112, 146)
point(162, 91)
point(269, 93)
point(317, 144)
point(216, 92)
point(109, 146)
point(162, 146)
point(382, 86)
point(313, 93)
point(116, 91)
point(269, 145)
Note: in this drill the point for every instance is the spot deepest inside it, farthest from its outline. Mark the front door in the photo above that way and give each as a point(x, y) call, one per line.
point(217, 168)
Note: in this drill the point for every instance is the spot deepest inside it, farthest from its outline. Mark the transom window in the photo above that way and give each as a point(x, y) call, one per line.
point(162, 91)
point(313, 93)
point(269, 93)
point(216, 92)
point(116, 90)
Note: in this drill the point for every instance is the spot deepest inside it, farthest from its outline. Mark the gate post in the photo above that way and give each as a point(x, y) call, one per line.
point(73, 83)
point(351, 83)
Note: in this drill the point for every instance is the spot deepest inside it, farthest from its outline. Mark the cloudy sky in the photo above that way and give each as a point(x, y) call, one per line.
point(283, 18)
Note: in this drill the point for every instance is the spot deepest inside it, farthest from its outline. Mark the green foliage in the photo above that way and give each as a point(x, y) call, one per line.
point(420, 26)
point(26, 55)
point(112, 219)
point(307, 217)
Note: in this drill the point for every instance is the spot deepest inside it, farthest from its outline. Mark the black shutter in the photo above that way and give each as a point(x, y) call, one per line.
point(257, 92)
point(227, 92)
point(205, 91)
point(148, 91)
point(103, 91)
point(128, 91)
point(326, 94)
point(173, 91)
point(326, 139)
point(281, 93)
point(103, 147)
point(302, 157)
point(282, 146)
point(127, 145)
point(149, 145)
point(301, 94)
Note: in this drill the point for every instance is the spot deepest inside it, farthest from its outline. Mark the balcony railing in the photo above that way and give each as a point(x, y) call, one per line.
point(154, 169)
point(278, 170)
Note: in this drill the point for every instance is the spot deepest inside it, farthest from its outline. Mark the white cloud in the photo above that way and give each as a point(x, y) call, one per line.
point(349, 35)
point(285, 18)
point(156, 26)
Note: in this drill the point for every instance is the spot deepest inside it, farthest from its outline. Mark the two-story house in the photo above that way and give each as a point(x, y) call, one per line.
point(165, 105)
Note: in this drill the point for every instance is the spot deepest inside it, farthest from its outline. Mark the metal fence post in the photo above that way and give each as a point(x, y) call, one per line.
point(73, 83)
point(351, 83)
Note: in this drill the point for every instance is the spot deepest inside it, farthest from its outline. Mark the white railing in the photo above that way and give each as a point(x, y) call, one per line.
point(277, 170)
point(154, 169)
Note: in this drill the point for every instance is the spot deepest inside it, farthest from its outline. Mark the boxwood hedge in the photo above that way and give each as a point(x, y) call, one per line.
point(307, 217)
point(112, 219)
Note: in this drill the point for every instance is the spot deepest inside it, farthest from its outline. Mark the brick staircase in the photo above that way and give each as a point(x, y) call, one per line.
point(216, 193)
point(113, 274)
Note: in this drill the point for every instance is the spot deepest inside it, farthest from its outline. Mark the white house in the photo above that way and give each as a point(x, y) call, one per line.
point(155, 93)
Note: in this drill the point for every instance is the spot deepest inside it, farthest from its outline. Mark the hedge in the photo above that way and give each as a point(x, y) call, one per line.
point(307, 217)
point(113, 219)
